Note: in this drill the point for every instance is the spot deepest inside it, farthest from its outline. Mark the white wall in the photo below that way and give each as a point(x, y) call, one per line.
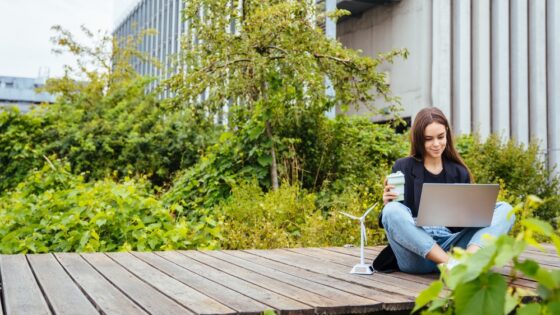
point(405, 24)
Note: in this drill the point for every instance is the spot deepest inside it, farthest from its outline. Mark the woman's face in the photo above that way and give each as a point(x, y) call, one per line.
point(435, 140)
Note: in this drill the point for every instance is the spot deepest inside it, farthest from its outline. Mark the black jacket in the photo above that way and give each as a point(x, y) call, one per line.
point(413, 170)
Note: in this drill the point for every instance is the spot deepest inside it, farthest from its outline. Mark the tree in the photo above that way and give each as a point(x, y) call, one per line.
point(106, 120)
point(266, 64)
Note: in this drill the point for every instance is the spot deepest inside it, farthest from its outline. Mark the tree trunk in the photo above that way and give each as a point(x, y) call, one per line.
point(273, 166)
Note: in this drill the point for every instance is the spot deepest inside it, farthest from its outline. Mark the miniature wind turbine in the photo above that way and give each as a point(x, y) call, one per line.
point(361, 268)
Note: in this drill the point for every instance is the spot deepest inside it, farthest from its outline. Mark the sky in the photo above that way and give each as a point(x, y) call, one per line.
point(25, 31)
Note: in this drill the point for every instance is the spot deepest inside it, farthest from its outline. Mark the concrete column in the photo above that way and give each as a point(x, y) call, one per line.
point(330, 31)
point(481, 67)
point(519, 71)
point(441, 55)
point(461, 66)
point(143, 26)
point(553, 71)
point(537, 72)
point(154, 37)
point(500, 67)
point(174, 12)
point(161, 30)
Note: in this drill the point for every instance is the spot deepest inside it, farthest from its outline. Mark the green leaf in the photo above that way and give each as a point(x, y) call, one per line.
point(84, 239)
point(539, 226)
point(553, 308)
point(101, 222)
point(511, 303)
point(483, 296)
point(556, 241)
point(507, 249)
point(545, 278)
point(529, 309)
point(430, 293)
point(264, 160)
point(528, 267)
point(437, 304)
point(472, 267)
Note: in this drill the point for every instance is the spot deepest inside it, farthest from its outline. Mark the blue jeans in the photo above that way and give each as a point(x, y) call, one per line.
point(411, 243)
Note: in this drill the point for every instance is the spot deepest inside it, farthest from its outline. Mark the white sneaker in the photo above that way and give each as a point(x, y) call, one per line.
point(451, 263)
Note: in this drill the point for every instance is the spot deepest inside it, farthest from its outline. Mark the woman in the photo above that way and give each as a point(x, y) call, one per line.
point(433, 159)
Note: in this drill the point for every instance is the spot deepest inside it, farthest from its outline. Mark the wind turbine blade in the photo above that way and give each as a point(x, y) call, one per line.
point(369, 210)
point(349, 215)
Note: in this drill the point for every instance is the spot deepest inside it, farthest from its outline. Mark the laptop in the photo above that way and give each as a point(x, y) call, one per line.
point(457, 205)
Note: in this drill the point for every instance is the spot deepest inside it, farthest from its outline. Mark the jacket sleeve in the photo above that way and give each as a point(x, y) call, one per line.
point(465, 175)
point(398, 166)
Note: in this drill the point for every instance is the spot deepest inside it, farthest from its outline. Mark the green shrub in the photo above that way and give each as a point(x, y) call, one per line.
point(126, 131)
point(356, 155)
point(20, 146)
point(520, 168)
point(287, 217)
point(235, 157)
point(53, 210)
point(349, 155)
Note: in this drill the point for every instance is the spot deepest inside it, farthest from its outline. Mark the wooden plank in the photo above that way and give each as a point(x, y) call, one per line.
point(174, 289)
point(427, 279)
point(549, 247)
point(104, 295)
point(548, 250)
point(339, 272)
point(547, 259)
point(342, 290)
point(305, 296)
point(551, 262)
point(234, 300)
point(346, 265)
point(521, 281)
point(278, 302)
point(339, 302)
point(349, 260)
point(150, 299)
point(20, 290)
point(63, 294)
point(349, 287)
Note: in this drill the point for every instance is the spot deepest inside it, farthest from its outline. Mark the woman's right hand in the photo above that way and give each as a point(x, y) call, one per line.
point(388, 194)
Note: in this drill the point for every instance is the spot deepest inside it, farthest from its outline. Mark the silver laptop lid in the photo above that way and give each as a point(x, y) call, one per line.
point(460, 205)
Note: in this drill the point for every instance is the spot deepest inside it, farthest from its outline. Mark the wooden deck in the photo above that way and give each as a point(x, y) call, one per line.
point(289, 281)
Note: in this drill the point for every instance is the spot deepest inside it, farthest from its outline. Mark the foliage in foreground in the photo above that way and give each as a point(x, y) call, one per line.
point(53, 210)
point(476, 286)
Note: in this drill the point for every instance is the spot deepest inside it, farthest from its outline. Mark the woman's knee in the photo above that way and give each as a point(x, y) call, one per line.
point(394, 212)
point(503, 212)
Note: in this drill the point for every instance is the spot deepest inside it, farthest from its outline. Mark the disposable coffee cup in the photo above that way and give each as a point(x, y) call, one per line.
point(397, 180)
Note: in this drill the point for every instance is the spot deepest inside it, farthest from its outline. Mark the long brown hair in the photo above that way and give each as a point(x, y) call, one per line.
point(425, 117)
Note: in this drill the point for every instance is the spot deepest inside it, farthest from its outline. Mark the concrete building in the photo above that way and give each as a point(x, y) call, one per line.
point(491, 65)
point(21, 92)
point(162, 16)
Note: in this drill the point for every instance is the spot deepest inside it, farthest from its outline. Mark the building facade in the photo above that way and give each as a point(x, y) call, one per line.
point(492, 66)
point(164, 16)
point(22, 92)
